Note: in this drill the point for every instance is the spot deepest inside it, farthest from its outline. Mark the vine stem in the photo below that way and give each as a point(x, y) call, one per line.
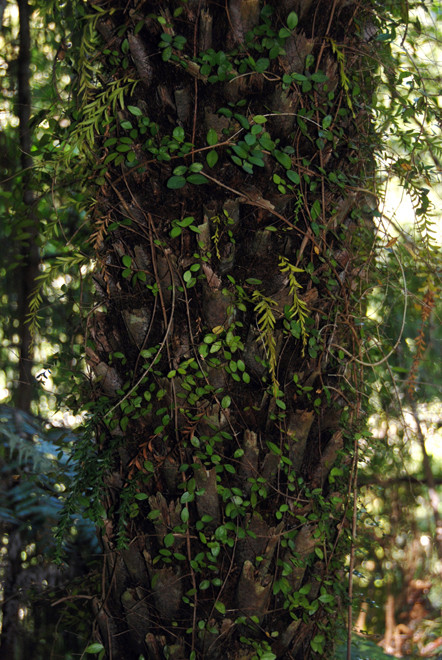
point(352, 550)
point(146, 371)
point(398, 340)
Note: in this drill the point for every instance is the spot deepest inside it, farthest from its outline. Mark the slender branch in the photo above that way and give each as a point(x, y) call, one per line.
point(404, 317)
point(373, 480)
point(430, 480)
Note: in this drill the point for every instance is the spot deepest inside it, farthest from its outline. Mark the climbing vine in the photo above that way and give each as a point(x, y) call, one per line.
point(229, 210)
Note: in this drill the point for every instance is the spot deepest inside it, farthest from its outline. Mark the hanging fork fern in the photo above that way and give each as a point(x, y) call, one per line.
point(264, 309)
point(59, 267)
point(298, 309)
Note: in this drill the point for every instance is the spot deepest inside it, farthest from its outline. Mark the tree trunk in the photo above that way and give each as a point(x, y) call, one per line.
point(229, 234)
point(28, 227)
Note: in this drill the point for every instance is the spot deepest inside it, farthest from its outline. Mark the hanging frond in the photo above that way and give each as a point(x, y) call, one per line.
point(345, 81)
point(298, 309)
point(427, 305)
point(264, 309)
point(61, 265)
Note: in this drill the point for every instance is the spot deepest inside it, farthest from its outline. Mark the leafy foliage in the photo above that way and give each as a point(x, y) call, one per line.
point(223, 389)
point(298, 309)
point(35, 472)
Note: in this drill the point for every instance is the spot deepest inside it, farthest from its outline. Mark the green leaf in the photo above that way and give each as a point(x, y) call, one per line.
point(95, 647)
point(168, 540)
point(316, 210)
point(196, 167)
point(293, 176)
point(109, 158)
point(266, 142)
point(212, 158)
point(220, 607)
point(284, 33)
point(212, 137)
point(226, 401)
point(262, 64)
point(167, 54)
point(283, 159)
point(178, 134)
point(255, 160)
point(127, 260)
point(197, 179)
point(141, 496)
point(185, 222)
point(134, 110)
point(326, 598)
point(319, 76)
point(185, 514)
point(240, 151)
point(292, 20)
point(256, 129)
point(274, 448)
point(327, 121)
point(176, 182)
point(317, 643)
point(225, 111)
point(180, 170)
point(242, 120)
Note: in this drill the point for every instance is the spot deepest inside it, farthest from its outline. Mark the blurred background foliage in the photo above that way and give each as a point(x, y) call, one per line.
point(35, 472)
point(397, 586)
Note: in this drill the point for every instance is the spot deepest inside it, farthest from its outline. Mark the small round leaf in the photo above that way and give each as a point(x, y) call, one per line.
point(292, 20)
point(176, 182)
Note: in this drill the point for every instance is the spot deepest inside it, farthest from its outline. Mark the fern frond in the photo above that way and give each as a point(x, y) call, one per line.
point(264, 309)
point(60, 266)
point(345, 80)
point(427, 306)
point(298, 309)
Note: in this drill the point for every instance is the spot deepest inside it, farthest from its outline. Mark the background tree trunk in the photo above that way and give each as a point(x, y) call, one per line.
point(225, 402)
point(28, 228)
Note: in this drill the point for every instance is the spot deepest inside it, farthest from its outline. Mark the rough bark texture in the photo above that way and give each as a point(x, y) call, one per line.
point(235, 479)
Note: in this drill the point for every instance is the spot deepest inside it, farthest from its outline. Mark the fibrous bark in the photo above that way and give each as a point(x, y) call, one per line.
point(224, 429)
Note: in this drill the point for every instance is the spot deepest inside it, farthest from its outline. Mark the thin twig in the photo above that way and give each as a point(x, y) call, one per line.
point(404, 316)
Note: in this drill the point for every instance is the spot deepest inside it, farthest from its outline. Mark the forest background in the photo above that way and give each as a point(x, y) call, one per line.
point(59, 90)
